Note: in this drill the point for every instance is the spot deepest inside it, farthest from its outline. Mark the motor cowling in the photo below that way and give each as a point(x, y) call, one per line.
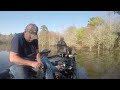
point(67, 69)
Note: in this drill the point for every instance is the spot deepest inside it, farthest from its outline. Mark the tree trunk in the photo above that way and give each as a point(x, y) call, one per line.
point(90, 48)
point(98, 50)
point(103, 49)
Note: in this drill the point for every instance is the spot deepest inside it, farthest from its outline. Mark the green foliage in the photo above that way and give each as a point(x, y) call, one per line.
point(80, 32)
point(44, 28)
point(71, 29)
point(80, 35)
point(44, 37)
point(5, 41)
point(95, 21)
point(70, 36)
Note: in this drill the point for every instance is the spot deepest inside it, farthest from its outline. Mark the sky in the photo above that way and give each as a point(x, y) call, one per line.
point(57, 21)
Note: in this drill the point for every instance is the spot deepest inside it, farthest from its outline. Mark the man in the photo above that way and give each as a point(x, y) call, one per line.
point(24, 52)
point(61, 45)
point(49, 68)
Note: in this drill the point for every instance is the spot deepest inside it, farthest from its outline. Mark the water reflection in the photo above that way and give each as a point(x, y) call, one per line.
point(4, 60)
point(104, 66)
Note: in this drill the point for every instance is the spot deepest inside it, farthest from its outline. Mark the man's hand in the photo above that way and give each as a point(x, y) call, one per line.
point(36, 64)
point(39, 61)
point(38, 57)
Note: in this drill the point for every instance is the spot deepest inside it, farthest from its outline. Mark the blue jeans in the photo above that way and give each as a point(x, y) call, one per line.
point(20, 72)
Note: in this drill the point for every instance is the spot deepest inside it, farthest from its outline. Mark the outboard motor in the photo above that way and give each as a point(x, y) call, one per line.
point(67, 68)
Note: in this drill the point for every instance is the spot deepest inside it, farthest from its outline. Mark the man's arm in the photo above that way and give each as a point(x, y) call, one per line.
point(15, 58)
point(38, 57)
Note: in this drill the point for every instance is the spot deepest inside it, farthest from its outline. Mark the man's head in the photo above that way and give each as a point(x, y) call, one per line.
point(31, 31)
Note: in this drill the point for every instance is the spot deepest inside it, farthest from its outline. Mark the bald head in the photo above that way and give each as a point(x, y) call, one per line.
point(30, 32)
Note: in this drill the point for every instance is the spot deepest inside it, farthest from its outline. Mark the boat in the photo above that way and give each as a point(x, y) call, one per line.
point(67, 62)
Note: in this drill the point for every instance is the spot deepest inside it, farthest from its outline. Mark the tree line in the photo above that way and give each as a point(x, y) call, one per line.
point(100, 33)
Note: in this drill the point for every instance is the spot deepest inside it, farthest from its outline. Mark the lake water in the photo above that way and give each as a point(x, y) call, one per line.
point(105, 65)
point(4, 60)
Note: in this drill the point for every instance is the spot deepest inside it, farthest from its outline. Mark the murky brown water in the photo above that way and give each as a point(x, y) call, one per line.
point(103, 66)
